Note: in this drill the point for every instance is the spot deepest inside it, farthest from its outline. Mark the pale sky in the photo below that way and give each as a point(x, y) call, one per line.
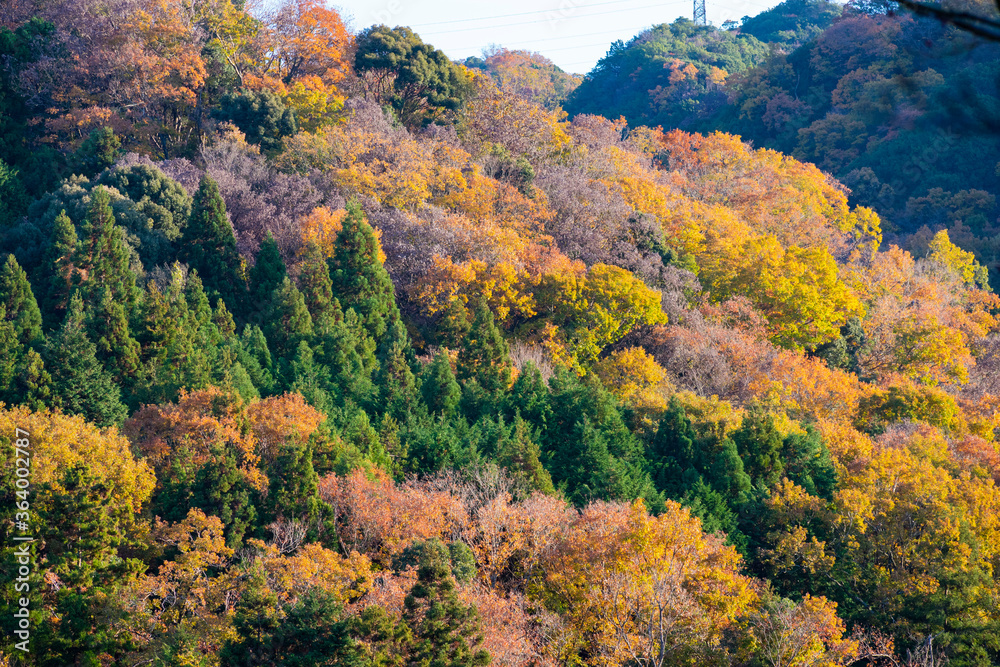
point(574, 34)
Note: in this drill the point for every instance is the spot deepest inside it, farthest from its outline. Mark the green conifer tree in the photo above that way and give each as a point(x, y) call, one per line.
point(519, 453)
point(293, 490)
point(454, 324)
point(255, 357)
point(220, 489)
point(673, 451)
point(759, 444)
point(209, 247)
point(109, 291)
point(81, 384)
point(11, 352)
point(288, 320)
point(267, 275)
point(104, 257)
point(316, 286)
point(444, 630)
point(19, 303)
point(349, 352)
point(727, 475)
point(55, 275)
point(439, 388)
point(484, 355)
point(529, 398)
point(313, 631)
point(360, 281)
point(32, 384)
point(808, 463)
point(395, 381)
point(311, 379)
point(257, 619)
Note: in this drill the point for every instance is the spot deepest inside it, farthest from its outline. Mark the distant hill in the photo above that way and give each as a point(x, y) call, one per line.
point(529, 75)
point(792, 23)
point(899, 109)
point(670, 75)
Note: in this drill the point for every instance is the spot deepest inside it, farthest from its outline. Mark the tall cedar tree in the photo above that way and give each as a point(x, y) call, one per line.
point(221, 489)
point(56, 273)
point(23, 378)
point(672, 450)
point(759, 444)
point(397, 387)
point(267, 274)
point(316, 286)
point(81, 384)
point(311, 632)
point(445, 631)
point(311, 379)
point(518, 452)
point(484, 355)
point(11, 352)
point(529, 398)
point(109, 291)
point(293, 489)
point(209, 246)
point(360, 281)
point(19, 302)
point(440, 391)
point(349, 352)
point(288, 320)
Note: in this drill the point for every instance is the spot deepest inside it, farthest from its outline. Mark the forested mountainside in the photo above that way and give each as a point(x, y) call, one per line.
point(318, 348)
point(901, 110)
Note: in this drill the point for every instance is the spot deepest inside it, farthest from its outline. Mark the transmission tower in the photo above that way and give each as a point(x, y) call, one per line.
point(699, 13)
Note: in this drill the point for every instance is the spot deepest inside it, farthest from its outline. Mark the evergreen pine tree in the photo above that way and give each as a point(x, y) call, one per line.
point(255, 357)
point(518, 452)
point(310, 632)
point(438, 387)
point(672, 450)
point(204, 337)
point(585, 468)
point(727, 475)
point(32, 384)
point(311, 379)
point(257, 619)
point(112, 336)
point(395, 381)
point(109, 292)
point(454, 324)
point(444, 630)
point(808, 463)
point(19, 303)
point(288, 320)
point(315, 284)
point(529, 398)
point(220, 489)
point(349, 352)
point(484, 355)
point(55, 275)
point(11, 352)
point(209, 247)
point(104, 256)
point(759, 444)
point(359, 279)
point(81, 384)
point(267, 275)
point(293, 489)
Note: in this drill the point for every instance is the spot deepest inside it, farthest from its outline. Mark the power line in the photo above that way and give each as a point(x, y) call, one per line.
point(553, 39)
point(505, 25)
point(537, 41)
point(504, 16)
